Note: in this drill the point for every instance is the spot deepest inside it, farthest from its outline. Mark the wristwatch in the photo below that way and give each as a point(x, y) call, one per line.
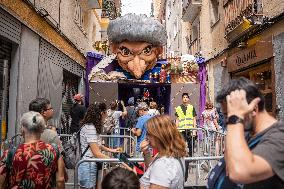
point(233, 119)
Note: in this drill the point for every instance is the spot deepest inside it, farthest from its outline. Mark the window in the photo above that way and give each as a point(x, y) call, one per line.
point(195, 30)
point(194, 34)
point(175, 29)
point(78, 18)
point(94, 33)
point(214, 12)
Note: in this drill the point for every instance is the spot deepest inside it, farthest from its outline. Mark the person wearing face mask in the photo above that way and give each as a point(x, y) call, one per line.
point(255, 161)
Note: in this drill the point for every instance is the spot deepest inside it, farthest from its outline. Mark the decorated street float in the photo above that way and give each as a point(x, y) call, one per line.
point(134, 70)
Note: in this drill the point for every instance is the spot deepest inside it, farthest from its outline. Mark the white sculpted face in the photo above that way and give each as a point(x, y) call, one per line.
point(136, 57)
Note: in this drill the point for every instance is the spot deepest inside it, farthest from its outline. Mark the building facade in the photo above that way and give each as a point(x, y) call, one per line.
point(42, 54)
point(240, 41)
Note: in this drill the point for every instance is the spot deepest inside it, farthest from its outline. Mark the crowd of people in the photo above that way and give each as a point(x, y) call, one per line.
point(252, 135)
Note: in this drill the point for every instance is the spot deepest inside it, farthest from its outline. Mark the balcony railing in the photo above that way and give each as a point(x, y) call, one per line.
point(190, 8)
point(194, 46)
point(109, 10)
point(238, 11)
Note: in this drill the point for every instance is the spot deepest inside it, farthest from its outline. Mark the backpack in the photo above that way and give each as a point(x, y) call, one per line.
point(72, 151)
point(109, 124)
point(9, 164)
point(219, 180)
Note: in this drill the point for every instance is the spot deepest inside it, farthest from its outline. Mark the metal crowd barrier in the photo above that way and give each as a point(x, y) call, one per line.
point(122, 131)
point(125, 142)
point(115, 160)
point(216, 143)
point(202, 142)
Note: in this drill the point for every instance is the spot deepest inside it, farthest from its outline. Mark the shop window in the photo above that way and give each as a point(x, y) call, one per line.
point(262, 77)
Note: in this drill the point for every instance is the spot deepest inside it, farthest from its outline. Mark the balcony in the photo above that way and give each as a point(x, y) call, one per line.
point(190, 9)
point(194, 46)
point(109, 10)
point(95, 4)
point(241, 16)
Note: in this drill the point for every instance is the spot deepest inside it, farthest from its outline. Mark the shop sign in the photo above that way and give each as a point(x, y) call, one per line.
point(249, 56)
point(245, 58)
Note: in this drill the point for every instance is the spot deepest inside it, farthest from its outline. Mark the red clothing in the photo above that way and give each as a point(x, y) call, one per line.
point(34, 166)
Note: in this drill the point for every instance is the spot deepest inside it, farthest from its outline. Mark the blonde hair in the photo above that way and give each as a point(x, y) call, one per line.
point(168, 139)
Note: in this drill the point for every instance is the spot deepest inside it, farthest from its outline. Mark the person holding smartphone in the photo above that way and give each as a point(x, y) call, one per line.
point(167, 168)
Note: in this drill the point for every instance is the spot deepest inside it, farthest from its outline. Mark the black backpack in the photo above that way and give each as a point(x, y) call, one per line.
point(72, 151)
point(219, 180)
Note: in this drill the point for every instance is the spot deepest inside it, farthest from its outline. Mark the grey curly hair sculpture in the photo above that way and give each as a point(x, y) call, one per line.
point(132, 27)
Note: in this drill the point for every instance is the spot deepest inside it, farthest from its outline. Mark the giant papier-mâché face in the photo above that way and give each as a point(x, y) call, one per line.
point(136, 57)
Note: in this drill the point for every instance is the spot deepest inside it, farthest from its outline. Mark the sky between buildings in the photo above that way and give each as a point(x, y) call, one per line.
point(136, 6)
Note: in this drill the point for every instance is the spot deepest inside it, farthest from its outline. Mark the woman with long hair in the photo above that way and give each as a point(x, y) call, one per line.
point(163, 135)
point(90, 139)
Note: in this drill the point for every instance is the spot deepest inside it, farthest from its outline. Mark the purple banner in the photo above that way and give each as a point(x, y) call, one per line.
point(92, 60)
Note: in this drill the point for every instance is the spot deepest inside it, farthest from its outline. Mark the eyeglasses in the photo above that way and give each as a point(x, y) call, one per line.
point(125, 52)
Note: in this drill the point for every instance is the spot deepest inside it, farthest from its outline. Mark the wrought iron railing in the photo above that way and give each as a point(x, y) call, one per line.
point(236, 11)
point(109, 10)
point(194, 46)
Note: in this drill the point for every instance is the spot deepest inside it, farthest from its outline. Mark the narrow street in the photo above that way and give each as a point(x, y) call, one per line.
point(149, 83)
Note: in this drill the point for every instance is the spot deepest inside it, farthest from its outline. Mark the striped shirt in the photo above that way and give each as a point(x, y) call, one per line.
point(89, 135)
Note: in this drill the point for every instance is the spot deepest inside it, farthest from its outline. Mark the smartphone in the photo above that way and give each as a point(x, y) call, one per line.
point(123, 158)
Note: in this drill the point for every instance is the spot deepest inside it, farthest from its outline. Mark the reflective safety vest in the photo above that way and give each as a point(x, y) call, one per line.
point(185, 121)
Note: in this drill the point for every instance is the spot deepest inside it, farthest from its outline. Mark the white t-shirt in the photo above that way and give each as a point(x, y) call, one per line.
point(116, 115)
point(153, 112)
point(166, 172)
point(88, 134)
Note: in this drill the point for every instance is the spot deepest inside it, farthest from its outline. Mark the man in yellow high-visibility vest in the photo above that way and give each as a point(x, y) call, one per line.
point(185, 120)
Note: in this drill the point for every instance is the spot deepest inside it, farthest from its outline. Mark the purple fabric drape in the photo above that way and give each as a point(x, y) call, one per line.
point(202, 75)
point(92, 60)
